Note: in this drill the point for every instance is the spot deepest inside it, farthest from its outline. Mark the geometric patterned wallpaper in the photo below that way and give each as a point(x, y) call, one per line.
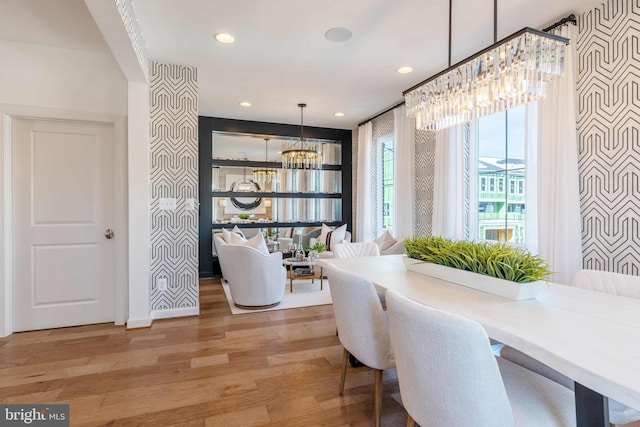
point(424, 163)
point(174, 173)
point(130, 21)
point(466, 153)
point(609, 136)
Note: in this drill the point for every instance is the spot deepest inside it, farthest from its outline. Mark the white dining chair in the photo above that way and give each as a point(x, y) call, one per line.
point(356, 249)
point(449, 376)
point(599, 281)
point(363, 327)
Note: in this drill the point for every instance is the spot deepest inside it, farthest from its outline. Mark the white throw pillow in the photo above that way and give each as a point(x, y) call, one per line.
point(236, 239)
point(258, 242)
point(332, 237)
point(226, 234)
point(385, 241)
point(285, 232)
point(322, 238)
point(238, 231)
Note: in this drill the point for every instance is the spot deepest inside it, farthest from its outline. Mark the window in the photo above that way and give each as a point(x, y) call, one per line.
point(388, 172)
point(501, 157)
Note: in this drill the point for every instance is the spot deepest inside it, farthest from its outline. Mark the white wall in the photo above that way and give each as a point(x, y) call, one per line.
point(42, 81)
point(42, 76)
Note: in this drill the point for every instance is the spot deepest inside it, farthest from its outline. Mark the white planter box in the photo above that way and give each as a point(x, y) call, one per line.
point(480, 282)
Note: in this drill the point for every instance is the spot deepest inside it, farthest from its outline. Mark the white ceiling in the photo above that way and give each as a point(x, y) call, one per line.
point(57, 23)
point(281, 57)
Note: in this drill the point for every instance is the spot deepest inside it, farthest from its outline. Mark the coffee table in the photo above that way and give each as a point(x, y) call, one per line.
point(290, 264)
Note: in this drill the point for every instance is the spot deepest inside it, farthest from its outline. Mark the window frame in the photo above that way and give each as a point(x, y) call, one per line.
point(522, 235)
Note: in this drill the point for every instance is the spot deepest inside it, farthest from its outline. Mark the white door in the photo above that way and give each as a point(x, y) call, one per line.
point(62, 204)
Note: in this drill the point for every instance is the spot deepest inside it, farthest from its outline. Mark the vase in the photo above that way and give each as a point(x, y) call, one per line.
point(481, 282)
point(313, 255)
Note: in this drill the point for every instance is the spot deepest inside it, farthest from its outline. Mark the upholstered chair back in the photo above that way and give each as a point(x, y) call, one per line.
point(610, 283)
point(447, 372)
point(363, 328)
point(358, 249)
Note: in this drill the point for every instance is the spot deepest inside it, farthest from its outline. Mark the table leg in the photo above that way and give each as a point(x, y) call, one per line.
point(592, 408)
point(291, 278)
point(321, 277)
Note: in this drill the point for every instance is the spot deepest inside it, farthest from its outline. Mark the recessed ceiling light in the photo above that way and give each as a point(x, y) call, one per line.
point(338, 114)
point(245, 104)
point(405, 70)
point(225, 38)
point(338, 34)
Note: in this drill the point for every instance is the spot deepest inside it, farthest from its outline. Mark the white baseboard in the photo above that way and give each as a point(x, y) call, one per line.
point(176, 312)
point(139, 323)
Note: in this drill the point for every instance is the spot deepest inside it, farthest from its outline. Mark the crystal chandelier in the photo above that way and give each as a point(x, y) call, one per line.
point(301, 154)
point(508, 73)
point(265, 175)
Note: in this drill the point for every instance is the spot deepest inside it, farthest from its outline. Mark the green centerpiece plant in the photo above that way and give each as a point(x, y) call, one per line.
point(498, 260)
point(318, 247)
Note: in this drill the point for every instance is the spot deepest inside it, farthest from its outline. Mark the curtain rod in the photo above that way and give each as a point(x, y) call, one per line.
point(569, 19)
point(393, 107)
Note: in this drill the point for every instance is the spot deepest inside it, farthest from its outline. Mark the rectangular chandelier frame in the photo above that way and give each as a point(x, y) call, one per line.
point(511, 72)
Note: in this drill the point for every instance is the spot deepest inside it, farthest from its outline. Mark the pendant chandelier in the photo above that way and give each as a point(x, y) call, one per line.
point(301, 154)
point(265, 175)
point(511, 72)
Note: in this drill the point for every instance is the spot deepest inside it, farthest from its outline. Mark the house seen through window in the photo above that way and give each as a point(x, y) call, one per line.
point(501, 159)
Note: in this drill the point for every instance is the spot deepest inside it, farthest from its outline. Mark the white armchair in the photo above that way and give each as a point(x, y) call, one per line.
point(389, 245)
point(396, 249)
point(256, 280)
point(330, 254)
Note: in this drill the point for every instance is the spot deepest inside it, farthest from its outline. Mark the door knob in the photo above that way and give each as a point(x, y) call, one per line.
point(108, 234)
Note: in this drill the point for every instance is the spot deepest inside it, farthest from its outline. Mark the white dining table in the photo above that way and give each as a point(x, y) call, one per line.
point(591, 337)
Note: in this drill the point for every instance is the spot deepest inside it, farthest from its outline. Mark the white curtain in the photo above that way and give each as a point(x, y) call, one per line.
point(364, 231)
point(404, 216)
point(448, 184)
point(532, 174)
point(559, 221)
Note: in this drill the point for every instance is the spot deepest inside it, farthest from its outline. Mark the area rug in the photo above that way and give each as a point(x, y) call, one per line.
point(305, 294)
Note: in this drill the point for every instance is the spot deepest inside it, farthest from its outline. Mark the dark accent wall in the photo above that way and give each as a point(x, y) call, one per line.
point(206, 125)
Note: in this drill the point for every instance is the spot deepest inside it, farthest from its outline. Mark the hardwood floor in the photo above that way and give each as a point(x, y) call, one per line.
point(278, 368)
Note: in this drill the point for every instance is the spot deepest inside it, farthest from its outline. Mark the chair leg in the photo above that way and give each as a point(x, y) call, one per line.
point(410, 421)
point(378, 396)
point(343, 374)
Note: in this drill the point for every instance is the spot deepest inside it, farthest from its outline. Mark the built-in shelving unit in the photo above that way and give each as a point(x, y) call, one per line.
point(300, 198)
point(258, 164)
point(277, 195)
